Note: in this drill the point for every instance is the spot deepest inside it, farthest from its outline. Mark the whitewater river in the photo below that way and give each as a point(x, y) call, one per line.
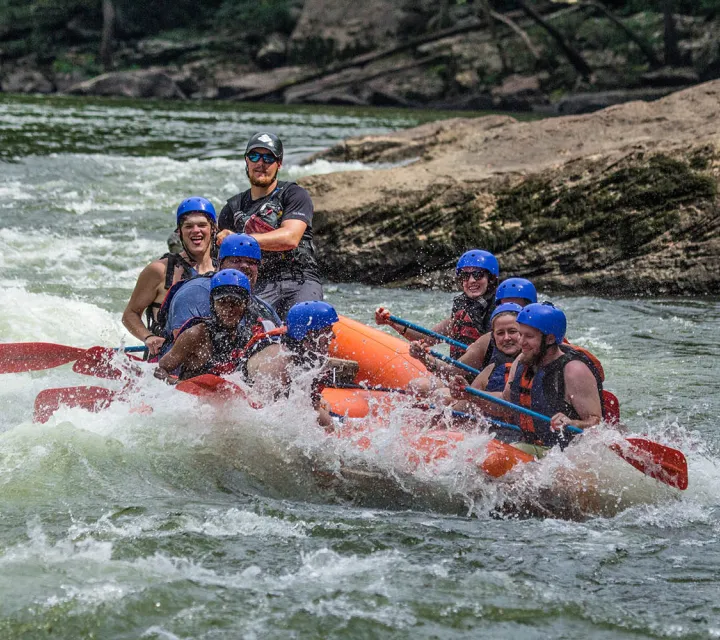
point(196, 521)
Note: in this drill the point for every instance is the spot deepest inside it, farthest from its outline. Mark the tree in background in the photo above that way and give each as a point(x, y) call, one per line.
point(108, 34)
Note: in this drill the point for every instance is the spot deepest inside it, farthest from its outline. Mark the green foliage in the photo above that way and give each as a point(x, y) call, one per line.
point(255, 18)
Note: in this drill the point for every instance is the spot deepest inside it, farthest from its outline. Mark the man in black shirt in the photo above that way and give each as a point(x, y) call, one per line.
point(279, 216)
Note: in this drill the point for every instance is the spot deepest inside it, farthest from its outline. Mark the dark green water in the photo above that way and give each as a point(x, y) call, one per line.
point(197, 522)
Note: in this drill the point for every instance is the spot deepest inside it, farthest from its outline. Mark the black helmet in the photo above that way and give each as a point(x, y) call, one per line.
point(267, 141)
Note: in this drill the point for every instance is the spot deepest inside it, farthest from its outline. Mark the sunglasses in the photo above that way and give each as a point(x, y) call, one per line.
point(267, 158)
point(477, 274)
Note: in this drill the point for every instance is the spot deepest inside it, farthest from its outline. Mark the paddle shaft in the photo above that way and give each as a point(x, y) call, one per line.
point(427, 332)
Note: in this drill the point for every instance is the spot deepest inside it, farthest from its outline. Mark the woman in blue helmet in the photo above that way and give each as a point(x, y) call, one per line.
point(217, 343)
point(197, 226)
point(477, 274)
point(480, 353)
point(547, 380)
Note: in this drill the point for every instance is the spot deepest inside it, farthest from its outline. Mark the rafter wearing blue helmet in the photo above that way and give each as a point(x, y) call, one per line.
point(477, 274)
point(557, 384)
point(517, 290)
point(217, 343)
point(196, 225)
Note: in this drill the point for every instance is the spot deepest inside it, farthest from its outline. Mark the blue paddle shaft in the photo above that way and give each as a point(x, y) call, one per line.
point(457, 363)
point(137, 349)
point(491, 398)
point(428, 332)
point(516, 407)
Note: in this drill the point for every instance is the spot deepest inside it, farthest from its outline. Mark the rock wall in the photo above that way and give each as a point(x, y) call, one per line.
point(622, 201)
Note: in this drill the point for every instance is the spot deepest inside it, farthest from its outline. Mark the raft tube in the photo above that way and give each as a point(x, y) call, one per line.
point(384, 359)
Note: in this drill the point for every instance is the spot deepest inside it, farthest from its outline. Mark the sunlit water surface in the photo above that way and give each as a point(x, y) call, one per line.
point(201, 521)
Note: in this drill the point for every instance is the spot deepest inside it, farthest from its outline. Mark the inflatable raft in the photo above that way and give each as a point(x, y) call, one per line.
point(385, 361)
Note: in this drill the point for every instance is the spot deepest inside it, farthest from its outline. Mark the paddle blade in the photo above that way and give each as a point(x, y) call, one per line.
point(16, 357)
point(655, 460)
point(100, 362)
point(92, 399)
point(611, 407)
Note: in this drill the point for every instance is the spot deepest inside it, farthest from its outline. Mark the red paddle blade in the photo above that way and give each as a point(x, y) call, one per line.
point(209, 385)
point(16, 357)
point(611, 405)
point(89, 398)
point(100, 362)
point(655, 460)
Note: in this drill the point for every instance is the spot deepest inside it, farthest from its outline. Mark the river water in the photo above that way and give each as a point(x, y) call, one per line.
point(209, 522)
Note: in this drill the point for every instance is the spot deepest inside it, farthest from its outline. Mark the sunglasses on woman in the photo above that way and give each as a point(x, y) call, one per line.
point(254, 156)
point(476, 274)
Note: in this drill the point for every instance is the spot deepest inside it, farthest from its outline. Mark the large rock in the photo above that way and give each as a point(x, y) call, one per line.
point(621, 201)
point(345, 27)
point(26, 81)
point(148, 83)
point(577, 103)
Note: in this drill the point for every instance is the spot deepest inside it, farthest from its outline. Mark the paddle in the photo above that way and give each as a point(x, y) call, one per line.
point(17, 357)
point(92, 399)
point(651, 458)
point(98, 362)
point(427, 332)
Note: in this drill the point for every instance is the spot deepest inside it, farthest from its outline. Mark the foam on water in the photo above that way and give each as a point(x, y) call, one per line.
point(39, 317)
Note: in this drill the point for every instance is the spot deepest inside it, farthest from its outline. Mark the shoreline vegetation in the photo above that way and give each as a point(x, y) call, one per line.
point(546, 56)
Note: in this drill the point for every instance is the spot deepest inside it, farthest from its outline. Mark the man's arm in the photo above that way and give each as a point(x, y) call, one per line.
point(285, 238)
point(189, 343)
point(297, 217)
point(144, 294)
point(581, 392)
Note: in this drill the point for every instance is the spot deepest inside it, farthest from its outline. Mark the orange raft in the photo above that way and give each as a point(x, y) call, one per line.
point(384, 360)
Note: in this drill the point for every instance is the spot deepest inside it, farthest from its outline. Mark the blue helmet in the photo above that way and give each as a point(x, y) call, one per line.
point(309, 316)
point(230, 283)
point(508, 307)
point(195, 204)
point(516, 288)
point(480, 259)
point(239, 245)
point(546, 318)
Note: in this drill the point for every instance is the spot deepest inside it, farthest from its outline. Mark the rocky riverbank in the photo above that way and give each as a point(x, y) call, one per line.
point(623, 201)
point(379, 53)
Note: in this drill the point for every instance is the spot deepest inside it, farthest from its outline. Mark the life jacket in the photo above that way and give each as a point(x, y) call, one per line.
point(268, 215)
point(173, 260)
point(501, 371)
point(590, 359)
point(470, 318)
point(229, 349)
point(543, 391)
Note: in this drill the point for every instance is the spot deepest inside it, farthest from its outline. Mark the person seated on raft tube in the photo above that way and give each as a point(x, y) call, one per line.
point(218, 344)
point(306, 339)
point(477, 274)
point(547, 380)
point(279, 216)
point(197, 226)
point(190, 298)
point(480, 353)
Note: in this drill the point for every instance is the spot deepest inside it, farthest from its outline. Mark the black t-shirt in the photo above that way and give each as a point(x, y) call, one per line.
point(296, 203)
point(289, 201)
